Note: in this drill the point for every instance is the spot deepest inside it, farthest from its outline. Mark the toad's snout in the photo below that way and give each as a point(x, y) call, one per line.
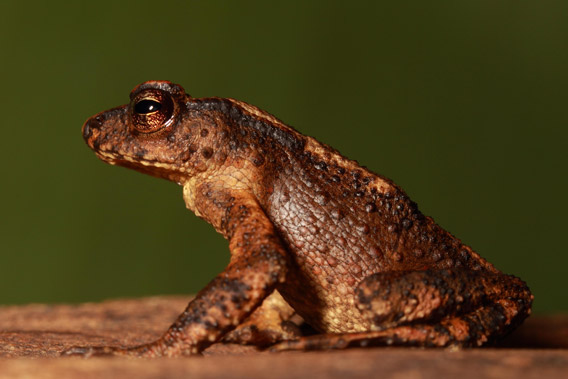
point(96, 127)
point(88, 127)
point(91, 131)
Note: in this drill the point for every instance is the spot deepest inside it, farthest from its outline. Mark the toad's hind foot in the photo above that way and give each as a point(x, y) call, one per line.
point(421, 336)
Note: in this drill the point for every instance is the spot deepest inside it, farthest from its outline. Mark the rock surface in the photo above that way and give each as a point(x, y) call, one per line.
point(538, 349)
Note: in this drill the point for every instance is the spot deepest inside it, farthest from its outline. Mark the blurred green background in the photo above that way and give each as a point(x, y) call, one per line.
point(463, 104)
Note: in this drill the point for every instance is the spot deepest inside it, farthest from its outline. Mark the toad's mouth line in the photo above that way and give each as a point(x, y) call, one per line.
point(141, 164)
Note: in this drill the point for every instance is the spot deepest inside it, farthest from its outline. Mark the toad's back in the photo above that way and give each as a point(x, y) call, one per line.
point(344, 223)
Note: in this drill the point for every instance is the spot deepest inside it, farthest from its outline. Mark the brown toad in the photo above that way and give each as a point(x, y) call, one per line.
point(344, 247)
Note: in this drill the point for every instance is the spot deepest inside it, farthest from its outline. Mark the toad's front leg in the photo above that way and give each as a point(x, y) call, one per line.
point(258, 263)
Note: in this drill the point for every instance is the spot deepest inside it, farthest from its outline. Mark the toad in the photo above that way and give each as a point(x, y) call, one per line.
point(310, 232)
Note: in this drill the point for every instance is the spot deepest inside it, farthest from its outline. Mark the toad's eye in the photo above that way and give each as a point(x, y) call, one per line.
point(147, 106)
point(151, 111)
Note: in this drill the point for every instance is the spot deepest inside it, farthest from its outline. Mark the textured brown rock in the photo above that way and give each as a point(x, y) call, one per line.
point(537, 349)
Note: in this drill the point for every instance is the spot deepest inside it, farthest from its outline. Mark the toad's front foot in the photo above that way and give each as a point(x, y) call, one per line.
point(89, 351)
point(142, 351)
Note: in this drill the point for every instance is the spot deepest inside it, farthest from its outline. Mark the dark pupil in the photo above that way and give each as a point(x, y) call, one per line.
point(147, 106)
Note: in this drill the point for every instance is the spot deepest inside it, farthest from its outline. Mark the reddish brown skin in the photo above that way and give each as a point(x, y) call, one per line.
point(346, 248)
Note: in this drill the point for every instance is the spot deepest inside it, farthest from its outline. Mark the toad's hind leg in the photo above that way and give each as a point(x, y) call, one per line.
point(431, 308)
